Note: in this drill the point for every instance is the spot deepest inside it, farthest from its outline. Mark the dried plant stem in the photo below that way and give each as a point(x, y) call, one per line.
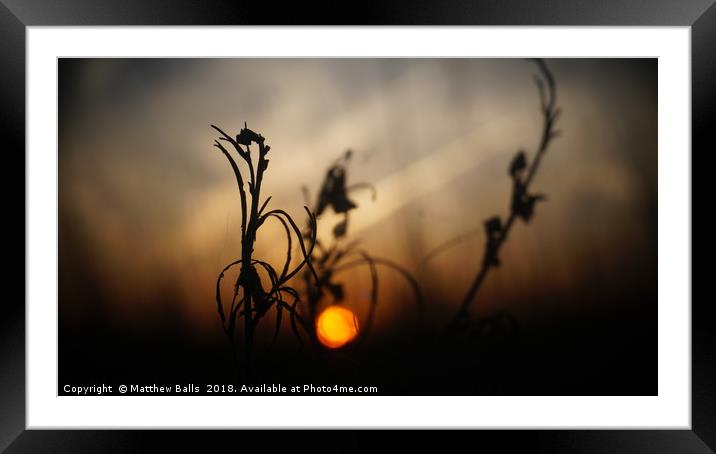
point(255, 301)
point(550, 114)
point(334, 192)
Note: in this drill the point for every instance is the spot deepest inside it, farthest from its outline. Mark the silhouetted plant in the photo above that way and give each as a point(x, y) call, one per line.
point(251, 299)
point(339, 256)
point(522, 204)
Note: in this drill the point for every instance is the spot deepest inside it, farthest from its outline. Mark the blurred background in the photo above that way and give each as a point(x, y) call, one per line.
point(149, 214)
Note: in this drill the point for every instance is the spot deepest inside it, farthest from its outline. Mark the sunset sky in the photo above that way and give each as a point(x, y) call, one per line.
point(149, 212)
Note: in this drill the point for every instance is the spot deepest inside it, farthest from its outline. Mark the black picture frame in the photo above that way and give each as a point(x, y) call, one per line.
point(16, 15)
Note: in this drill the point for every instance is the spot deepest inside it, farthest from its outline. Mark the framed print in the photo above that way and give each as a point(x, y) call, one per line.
point(232, 227)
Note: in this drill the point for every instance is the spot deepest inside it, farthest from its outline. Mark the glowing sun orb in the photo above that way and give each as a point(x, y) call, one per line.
point(336, 326)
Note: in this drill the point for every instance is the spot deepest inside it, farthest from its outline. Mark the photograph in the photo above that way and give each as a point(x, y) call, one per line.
point(357, 226)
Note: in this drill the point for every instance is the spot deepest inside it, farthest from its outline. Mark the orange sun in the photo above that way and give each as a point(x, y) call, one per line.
point(336, 326)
